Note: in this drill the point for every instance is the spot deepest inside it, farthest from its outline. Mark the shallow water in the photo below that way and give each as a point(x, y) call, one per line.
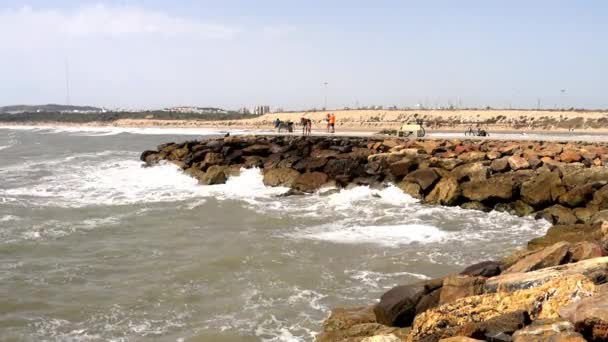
point(94, 247)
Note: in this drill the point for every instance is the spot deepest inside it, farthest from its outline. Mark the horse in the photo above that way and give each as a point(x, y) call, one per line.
point(280, 125)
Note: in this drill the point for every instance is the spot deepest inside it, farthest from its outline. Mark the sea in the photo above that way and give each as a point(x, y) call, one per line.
point(95, 247)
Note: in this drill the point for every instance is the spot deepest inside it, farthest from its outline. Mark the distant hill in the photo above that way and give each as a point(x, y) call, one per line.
point(54, 108)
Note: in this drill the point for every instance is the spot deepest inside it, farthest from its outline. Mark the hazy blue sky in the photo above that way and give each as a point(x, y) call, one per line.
point(242, 53)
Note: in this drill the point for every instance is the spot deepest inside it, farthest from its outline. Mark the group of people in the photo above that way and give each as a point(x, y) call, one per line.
point(306, 124)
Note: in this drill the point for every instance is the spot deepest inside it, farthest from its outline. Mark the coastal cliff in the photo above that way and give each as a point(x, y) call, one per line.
point(535, 294)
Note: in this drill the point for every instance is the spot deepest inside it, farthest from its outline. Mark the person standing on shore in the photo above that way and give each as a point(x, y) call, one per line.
point(327, 119)
point(332, 122)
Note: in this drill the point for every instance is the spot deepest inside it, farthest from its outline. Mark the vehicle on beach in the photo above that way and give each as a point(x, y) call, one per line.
point(407, 130)
point(480, 132)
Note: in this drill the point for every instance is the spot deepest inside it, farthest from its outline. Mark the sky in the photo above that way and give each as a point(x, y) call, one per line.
point(236, 53)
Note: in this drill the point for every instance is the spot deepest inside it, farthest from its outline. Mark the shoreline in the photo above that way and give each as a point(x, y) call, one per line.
point(565, 184)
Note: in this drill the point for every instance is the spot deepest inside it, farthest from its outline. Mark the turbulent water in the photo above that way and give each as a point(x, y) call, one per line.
point(93, 247)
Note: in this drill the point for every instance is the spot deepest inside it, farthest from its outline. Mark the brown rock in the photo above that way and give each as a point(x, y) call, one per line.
point(214, 175)
point(518, 163)
point(310, 181)
point(570, 233)
point(550, 150)
point(472, 156)
point(498, 328)
point(425, 178)
point(578, 196)
point(460, 339)
point(460, 286)
point(540, 302)
point(570, 156)
point(397, 307)
point(324, 153)
point(403, 167)
point(585, 250)
point(581, 176)
point(558, 214)
point(583, 215)
point(354, 325)
point(474, 205)
point(590, 317)
point(280, 177)
point(542, 190)
point(492, 188)
point(548, 331)
point(410, 188)
point(493, 155)
point(445, 163)
point(500, 165)
point(445, 192)
point(471, 171)
point(483, 269)
point(549, 256)
point(257, 149)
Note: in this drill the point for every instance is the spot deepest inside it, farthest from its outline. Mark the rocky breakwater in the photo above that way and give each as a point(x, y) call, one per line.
point(551, 290)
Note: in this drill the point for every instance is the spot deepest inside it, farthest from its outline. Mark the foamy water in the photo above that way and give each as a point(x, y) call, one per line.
point(96, 247)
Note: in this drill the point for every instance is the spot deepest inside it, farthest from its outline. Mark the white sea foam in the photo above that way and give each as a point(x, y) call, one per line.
point(389, 235)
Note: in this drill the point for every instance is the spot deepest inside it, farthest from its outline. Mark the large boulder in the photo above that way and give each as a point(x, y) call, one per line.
point(355, 325)
point(411, 188)
point(542, 190)
point(581, 176)
point(569, 233)
point(518, 163)
point(257, 150)
point(423, 177)
point(590, 317)
point(500, 165)
point(549, 256)
point(310, 181)
point(403, 167)
point(214, 175)
point(460, 286)
point(578, 196)
point(339, 167)
point(280, 177)
point(471, 171)
point(445, 192)
point(558, 214)
point(472, 156)
point(397, 307)
point(548, 331)
point(496, 188)
point(539, 302)
point(483, 269)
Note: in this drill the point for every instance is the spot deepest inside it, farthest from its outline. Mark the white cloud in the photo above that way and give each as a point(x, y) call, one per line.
point(101, 20)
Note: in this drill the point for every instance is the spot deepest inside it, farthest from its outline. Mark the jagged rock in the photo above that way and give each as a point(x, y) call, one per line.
point(599, 217)
point(397, 307)
point(410, 188)
point(335, 167)
point(550, 150)
point(472, 156)
point(500, 165)
point(280, 177)
point(570, 156)
point(425, 178)
point(542, 189)
point(585, 250)
point(310, 181)
point(578, 196)
point(518, 163)
point(521, 208)
point(382, 338)
point(354, 325)
point(558, 214)
point(569, 233)
point(548, 331)
point(445, 163)
point(257, 149)
point(491, 188)
point(584, 215)
point(600, 199)
point(549, 256)
point(428, 301)
point(509, 282)
point(212, 158)
point(460, 339)
point(253, 161)
point(581, 176)
point(233, 170)
point(471, 171)
point(590, 317)
point(539, 302)
point(445, 192)
point(483, 269)
point(492, 155)
point(214, 175)
point(403, 167)
point(474, 205)
point(324, 153)
point(460, 286)
point(310, 164)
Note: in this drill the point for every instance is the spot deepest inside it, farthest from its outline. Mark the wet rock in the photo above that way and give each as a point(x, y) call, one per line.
point(471, 171)
point(253, 162)
point(397, 307)
point(518, 163)
point(466, 314)
point(493, 188)
point(548, 330)
point(354, 325)
point(460, 286)
point(542, 190)
point(553, 255)
point(590, 317)
point(280, 177)
point(335, 167)
point(425, 178)
point(428, 301)
point(214, 175)
point(403, 167)
point(569, 233)
point(446, 192)
point(578, 196)
point(483, 269)
point(558, 214)
point(310, 181)
point(474, 205)
point(410, 188)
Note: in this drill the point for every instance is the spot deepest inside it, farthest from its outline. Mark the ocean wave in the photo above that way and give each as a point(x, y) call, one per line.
point(114, 130)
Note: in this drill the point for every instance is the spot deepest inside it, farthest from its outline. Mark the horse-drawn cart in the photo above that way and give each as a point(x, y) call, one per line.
point(407, 130)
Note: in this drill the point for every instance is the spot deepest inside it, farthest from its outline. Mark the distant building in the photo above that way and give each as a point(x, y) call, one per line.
point(261, 110)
